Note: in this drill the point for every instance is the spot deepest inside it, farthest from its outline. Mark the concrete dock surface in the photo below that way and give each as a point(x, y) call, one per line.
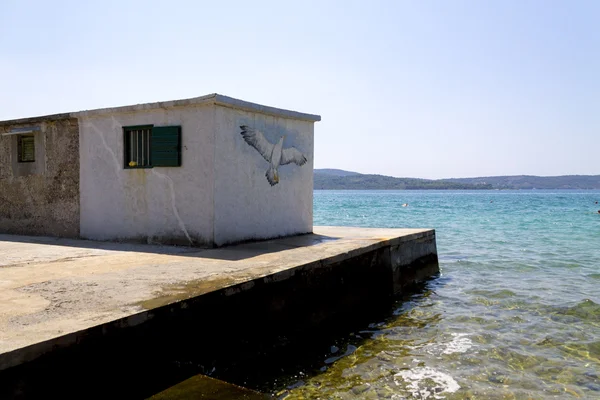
point(53, 290)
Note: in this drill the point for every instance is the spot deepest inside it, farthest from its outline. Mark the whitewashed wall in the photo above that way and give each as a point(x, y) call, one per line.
point(160, 204)
point(246, 205)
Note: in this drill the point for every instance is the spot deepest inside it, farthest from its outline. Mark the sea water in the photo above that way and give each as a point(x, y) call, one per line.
point(515, 313)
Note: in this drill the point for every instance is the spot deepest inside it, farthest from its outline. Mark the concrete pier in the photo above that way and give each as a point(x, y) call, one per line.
point(67, 305)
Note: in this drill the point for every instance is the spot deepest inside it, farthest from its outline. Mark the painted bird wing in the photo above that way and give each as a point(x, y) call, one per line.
point(257, 140)
point(292, 155)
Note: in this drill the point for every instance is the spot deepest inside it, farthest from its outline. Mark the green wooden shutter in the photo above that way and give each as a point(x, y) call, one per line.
point(165, 146)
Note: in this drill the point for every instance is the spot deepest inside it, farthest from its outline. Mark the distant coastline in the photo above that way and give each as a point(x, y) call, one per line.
point(337, 179)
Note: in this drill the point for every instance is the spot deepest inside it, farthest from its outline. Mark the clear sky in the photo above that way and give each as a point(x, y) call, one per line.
point(430, 89)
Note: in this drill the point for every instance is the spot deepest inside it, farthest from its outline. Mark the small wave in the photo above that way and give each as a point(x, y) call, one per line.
point(458, 344)
point(586, 310)
point(425, 382)
point(594, 276)
point(494, 294)
point(589, 350)
point(349, 350)
point(452, 257)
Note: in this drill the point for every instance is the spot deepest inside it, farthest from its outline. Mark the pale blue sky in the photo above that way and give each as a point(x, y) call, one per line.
point(428, 89)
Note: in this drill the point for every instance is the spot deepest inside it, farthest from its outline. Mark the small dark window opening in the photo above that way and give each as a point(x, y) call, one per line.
point(26, 148)
point(137, 146)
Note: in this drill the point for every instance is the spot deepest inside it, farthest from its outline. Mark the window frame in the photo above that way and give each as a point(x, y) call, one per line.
point(164, 146)
point(20, 158)
point(127, 147)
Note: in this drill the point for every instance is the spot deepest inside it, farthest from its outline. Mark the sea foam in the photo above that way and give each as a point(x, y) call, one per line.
point(425, 382)
point(459, 344)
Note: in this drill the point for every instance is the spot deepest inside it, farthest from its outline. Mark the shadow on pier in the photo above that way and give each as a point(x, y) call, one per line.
point(235, 251)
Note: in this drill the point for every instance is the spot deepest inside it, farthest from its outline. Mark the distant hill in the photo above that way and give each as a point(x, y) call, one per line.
point(335, 172)
point(337, 179)
point(536, 182)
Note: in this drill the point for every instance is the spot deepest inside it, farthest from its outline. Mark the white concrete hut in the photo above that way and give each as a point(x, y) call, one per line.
point(205, 171)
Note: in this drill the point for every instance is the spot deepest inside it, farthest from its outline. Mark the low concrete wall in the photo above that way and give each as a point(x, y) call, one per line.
point(413, 261)
point(41, 197)
point(263, 321)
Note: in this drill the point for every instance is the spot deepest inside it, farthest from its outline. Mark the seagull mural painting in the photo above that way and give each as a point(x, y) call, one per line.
point(275, 154)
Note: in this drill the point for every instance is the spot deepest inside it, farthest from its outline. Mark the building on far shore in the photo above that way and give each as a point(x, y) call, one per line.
point(205, 171)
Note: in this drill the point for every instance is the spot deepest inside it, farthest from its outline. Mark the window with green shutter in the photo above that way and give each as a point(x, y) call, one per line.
point(26, 148)
point(148, 146)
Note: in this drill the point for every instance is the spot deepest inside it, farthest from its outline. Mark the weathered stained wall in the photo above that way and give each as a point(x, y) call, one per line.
point(41, 197)
point(246, 205)
point(160, 204)
point(219, 195)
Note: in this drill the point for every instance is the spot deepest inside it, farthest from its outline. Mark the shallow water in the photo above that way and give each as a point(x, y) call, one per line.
point(515, 313)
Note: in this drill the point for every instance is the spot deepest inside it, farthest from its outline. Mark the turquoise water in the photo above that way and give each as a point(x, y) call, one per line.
point(515, 313)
